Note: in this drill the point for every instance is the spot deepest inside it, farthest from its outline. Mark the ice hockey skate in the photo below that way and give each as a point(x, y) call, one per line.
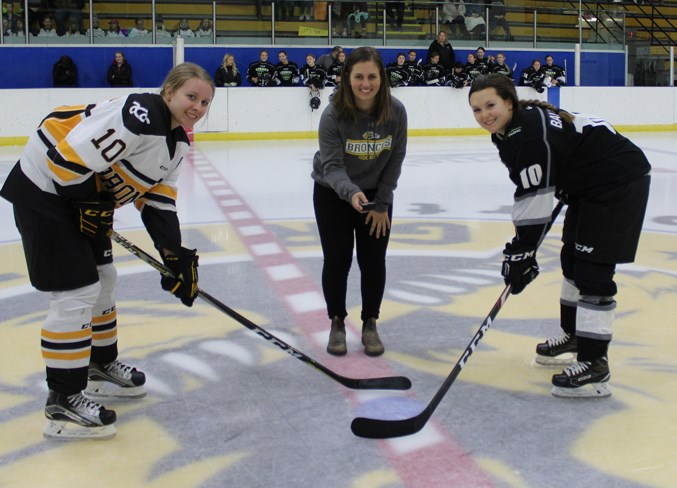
point(115, 380)
point(558, 351)
point(75, 417)
point(583, 380)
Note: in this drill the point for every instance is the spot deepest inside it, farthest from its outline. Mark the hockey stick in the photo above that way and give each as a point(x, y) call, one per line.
point(385, 383)
point(385, 429)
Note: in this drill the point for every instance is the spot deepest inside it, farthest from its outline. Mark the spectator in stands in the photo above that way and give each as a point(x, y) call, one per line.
point(64, 11)
point(501, 67)
point(395, 12)
point(484, 64)
point(497, 13)
point(339, 12)
point(334, 71)
point(114, 29)
point(20, 30)
point(434, 73)
point(306, 9)
point(73, 28)
point(474, 22)
point(205, 29)
point(415, 69)
point(12, 18)
point(555, 73)
point(48, 29)
point(286, 72)
point(139, 29)
point(64, 72)
point(284, 9)
point(160, 30)
point(453, 15)
point(184, 29)
point(227, 74)
point(533, 77)
point(6, 31)
point(359, 15)
point(261, 72)
point(443, 48)
point(259, 9)
point(120, 72)
point(96, 31)
point(397, 72)
point(313, 75)
point(327, 59)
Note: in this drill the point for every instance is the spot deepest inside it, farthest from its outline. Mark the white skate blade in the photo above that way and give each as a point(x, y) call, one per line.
point(564, 359)
point(70, 431)
point(98, 390)
point(591, 390)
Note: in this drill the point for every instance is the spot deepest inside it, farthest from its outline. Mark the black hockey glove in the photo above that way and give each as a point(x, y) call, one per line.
point(184, 283)
point(519, 266)
point(94, 218)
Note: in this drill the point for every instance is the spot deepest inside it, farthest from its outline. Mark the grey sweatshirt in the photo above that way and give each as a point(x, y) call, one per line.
point(359, 156)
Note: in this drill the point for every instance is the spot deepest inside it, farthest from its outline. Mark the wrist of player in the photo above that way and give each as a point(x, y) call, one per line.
point(184, 283)
point(94, 218)
point(519, 266)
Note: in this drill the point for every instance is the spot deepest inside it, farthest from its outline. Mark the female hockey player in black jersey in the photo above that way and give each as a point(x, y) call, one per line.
point(363, 141)
point(82, 163)
point(604, 179)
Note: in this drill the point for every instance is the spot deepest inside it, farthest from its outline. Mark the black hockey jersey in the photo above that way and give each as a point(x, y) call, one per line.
point(415, 72)
point(503, 69)
point(534, 79)
point(554, 72)
point(459, 80)
point(484, 65)
point(473, 69)
point(287, 74)
point(313, 75)
point(434, 74)
point(397, 75)
point(546, 155)
point(264, 72)
point(334, 73)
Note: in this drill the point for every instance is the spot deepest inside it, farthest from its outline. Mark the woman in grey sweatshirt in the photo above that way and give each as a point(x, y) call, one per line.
point(363, 141)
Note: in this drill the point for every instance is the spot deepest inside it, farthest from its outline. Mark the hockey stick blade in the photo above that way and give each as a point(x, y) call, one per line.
point(384, 429)
point(384, 383)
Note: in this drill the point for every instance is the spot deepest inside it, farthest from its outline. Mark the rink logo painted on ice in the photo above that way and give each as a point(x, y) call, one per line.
point(139, 112)
point(368, 149)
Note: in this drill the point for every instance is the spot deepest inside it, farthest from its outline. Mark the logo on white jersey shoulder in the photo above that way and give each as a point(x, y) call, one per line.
point(139, 112)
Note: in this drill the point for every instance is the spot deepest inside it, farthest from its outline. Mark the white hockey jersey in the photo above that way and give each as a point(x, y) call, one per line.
point(127, 142)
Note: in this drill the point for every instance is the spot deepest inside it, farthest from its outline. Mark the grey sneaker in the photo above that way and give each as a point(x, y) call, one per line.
point(77, 417)
point(115, 380)
point(372, 342)
point(559, 351)
point(337, 337)
point(583, 379)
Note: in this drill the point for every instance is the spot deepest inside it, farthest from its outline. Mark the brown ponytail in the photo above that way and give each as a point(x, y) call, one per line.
point(568, 117)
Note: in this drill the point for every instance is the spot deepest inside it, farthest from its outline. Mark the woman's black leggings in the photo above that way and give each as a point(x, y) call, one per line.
point(340, 225)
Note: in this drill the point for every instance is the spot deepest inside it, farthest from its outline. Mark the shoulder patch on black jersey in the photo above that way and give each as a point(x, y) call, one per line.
point(146, 113)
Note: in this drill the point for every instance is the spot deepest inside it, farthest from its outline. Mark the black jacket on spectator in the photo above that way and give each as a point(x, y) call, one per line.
point(446, 52)
point(226, 77)
point(64, 72)
point(120, 75)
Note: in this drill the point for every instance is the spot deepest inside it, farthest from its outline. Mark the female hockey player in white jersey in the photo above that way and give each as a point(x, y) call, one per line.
point(82, 163)
point(604, 179)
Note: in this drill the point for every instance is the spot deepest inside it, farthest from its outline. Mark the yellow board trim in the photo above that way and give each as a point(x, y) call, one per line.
point(260, 136)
